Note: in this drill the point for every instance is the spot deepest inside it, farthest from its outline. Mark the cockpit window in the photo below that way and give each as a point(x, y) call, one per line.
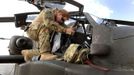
point(98, 20)
point(70, 6)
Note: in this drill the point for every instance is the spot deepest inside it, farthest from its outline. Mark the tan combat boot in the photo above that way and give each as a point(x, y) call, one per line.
point(48, 56)
point(28, 54)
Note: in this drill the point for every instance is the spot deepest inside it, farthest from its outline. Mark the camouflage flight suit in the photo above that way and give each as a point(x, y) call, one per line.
point(40, 30)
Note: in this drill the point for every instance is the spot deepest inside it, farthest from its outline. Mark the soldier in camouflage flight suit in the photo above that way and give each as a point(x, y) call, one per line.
point(47, 21)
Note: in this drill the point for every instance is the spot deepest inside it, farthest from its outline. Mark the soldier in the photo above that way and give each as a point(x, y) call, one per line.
point(39, 30)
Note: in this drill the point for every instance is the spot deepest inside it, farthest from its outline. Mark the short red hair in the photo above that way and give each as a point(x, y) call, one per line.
point(63, 12)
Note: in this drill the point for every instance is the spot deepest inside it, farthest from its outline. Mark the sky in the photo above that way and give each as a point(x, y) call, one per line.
point(121, 9)
point(111, 9)
point(114, 9)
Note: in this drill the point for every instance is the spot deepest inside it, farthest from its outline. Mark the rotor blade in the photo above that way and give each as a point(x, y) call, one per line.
point(130, 23)
point(7, 19)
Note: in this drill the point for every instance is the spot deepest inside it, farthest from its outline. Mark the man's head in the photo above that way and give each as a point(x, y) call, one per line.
point(61, 15)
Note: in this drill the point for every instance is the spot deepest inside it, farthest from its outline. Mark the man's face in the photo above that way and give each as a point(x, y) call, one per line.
point(60, 19)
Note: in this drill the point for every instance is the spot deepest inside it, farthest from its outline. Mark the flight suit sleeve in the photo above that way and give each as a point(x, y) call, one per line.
point(51, 24)
point(56, 27)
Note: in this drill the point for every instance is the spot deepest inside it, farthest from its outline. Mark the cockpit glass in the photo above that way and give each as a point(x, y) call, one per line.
point(54, 5)
point(98, 20)
point(70, 22)
point(31, 17)
point(70, 6)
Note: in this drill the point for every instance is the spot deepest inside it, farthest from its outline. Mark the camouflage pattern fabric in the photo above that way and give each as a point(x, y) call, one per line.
point(71, 53)
point(75, 55)
point(40, 30)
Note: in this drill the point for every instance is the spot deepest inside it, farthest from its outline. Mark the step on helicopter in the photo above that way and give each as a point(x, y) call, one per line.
point(111, 46)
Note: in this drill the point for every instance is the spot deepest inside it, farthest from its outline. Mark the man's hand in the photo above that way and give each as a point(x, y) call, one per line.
point(70, 31)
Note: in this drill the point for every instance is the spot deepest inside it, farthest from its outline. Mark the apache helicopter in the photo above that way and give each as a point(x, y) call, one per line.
point(110, 44)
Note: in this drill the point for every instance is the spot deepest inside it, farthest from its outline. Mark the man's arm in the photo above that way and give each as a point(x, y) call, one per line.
point(59, 28)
